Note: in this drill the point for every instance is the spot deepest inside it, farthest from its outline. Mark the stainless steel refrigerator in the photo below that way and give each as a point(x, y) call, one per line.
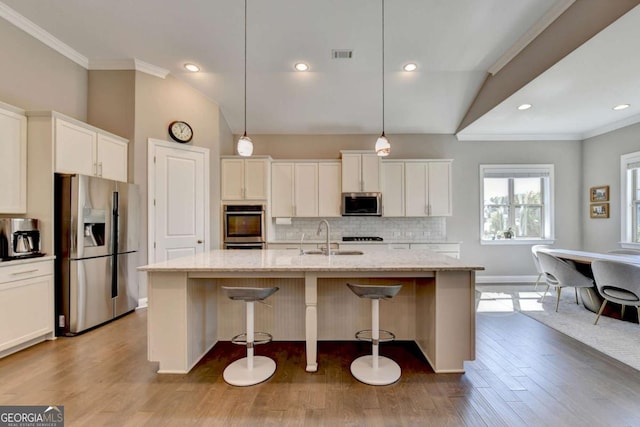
point(96, 244)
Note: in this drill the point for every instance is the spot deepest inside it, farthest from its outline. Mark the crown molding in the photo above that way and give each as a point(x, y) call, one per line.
point(632, 120)
point(44, 36)
point(520, 137)
point(129, 64)
point(552, 14)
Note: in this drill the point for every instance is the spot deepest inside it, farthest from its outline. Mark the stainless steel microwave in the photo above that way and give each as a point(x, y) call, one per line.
point(361, 204)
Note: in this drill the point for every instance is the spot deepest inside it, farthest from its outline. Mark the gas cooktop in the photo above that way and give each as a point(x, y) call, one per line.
point(361, 239)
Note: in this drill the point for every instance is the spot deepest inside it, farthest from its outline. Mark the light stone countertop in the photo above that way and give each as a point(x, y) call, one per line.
point(287, 260)
point(27, 260)
point(365, 242)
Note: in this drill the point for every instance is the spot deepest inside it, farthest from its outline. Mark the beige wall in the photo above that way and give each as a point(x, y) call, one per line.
point(36, 78)
point(159, 102)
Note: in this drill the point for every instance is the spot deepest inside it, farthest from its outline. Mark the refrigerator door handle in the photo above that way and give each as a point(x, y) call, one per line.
point(114, 248)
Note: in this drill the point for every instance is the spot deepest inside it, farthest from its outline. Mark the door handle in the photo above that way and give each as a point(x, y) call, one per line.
point(199, 241)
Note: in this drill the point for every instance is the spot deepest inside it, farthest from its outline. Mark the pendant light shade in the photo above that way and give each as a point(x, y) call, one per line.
point(383, 146)
point(245, 146)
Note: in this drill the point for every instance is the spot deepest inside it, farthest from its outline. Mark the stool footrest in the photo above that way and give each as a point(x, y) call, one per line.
point(365, 335)
point(258, 338)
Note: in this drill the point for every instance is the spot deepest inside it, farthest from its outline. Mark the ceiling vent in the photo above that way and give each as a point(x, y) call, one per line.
point(342, 53)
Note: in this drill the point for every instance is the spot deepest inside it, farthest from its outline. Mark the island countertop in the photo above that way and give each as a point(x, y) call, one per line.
point(273, 260)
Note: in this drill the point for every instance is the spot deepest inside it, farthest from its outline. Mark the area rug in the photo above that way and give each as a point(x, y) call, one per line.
point(616, 338)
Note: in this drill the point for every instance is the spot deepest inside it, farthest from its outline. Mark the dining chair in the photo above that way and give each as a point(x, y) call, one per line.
point(617, 282)
point(536, 262)
point(559, 274)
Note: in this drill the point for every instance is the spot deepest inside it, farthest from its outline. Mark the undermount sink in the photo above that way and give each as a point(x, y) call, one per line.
point(352, 252)
point(333, 252)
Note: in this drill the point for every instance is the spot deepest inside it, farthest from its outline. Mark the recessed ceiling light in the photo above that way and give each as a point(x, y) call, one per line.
point(301, 66)
point(410, 67)
point(524, 106)
point(192, 67)
point(621, 107)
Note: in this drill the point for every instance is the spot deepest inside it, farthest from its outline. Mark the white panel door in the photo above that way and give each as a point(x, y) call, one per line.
point(180, 203)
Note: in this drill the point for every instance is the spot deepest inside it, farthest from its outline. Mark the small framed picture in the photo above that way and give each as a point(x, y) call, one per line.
point(600, 210)
point(600, 194)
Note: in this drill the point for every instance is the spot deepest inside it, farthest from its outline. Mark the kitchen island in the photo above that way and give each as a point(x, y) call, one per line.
point(188, 313)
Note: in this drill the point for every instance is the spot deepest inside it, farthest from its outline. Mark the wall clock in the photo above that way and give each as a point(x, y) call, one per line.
point(180, 131)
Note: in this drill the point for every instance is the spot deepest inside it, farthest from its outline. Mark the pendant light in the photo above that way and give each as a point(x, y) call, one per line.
point(383, 147)
point(245, 146)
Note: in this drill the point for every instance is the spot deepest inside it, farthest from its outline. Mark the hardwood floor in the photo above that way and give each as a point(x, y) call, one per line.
point(525, 374)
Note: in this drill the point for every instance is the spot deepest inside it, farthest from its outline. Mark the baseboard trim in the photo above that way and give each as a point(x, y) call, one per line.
point(142, 303)
point(506, 279)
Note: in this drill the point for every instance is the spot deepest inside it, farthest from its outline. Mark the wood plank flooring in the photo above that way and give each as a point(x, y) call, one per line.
point(526, 374)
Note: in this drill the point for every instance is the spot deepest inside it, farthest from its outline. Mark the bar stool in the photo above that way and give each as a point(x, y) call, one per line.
point(251, 369)
point(374, 369)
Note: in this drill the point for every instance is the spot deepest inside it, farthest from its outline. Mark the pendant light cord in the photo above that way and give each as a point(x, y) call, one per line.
point(382, 67)
point(245, 67)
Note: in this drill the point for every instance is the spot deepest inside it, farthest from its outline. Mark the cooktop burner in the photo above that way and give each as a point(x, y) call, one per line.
point(362, 239)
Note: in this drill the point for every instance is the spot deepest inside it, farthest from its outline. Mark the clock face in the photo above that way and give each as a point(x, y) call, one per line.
point(180, 131)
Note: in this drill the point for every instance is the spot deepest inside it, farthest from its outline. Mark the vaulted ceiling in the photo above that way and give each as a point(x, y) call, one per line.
point(477, 60)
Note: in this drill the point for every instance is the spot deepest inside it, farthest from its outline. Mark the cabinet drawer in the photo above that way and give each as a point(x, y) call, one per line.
point(28, 270)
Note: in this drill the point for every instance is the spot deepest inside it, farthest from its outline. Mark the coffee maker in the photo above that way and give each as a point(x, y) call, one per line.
point(19, 238)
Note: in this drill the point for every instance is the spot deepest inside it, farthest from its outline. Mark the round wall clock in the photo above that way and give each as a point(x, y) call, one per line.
point(180, 131)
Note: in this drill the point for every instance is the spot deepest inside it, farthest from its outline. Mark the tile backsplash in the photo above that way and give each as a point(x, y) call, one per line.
point(405, 229)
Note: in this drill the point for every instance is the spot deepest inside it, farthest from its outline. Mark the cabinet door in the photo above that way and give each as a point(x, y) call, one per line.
point(232, 179)
point(351, 173)
point(112, 158)
point(393, 188)
point(26, 310)
point(329, 189)
point(13, 152)
point(415, 189)
point(75, 149)
point(306, 190)
point(282, 190)
point(256, 179)
point(439, 189)
point(370, 172)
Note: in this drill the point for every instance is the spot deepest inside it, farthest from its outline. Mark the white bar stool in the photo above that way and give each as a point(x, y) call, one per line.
point(251, 369)
point(374, 369)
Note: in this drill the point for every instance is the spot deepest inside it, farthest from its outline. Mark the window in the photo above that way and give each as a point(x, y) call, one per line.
point(630, 196)
point(516, 203)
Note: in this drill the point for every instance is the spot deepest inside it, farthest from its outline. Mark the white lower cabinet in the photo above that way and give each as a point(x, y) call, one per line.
point(26, 305)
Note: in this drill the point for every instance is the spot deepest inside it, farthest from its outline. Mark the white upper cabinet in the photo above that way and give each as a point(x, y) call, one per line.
point(244, 179)
point(360, 172)
point(83, 149)
point(393, 188)
point(13, 152)
point(305, 189)
point(329, 189)
point(428, 188)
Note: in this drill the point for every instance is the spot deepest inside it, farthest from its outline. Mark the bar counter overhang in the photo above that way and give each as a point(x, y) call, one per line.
point(188, 314)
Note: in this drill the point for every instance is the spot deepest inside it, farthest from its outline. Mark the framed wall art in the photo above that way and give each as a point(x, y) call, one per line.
point(599, 194)
point(599, 210)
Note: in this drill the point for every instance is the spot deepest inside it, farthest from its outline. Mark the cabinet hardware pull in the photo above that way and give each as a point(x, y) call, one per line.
point(17, 273)
point(95, 168)
point(100, 169)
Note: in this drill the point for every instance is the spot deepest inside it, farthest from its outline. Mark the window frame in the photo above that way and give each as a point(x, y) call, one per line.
point(627, 202)
point(548, 201)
